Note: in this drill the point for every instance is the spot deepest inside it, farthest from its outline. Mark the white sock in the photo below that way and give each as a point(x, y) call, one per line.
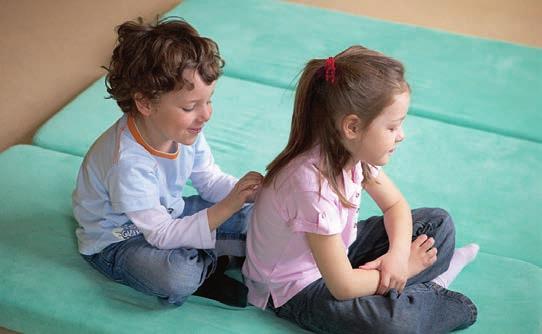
point(462, 256)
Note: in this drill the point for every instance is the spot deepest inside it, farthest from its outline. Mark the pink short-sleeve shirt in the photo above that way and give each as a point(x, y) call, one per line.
point(279, 262)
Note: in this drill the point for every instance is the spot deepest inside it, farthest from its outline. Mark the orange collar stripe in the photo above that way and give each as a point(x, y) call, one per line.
point(137, 136)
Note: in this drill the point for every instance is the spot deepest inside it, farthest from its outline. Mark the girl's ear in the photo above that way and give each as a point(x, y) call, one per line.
point(143, 104)
point(351, 126)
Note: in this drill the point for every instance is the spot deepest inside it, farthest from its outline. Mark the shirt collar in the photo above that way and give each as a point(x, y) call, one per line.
point(141, 141)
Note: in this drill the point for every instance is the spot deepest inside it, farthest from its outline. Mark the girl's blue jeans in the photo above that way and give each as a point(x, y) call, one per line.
point(171, 274)
point(422, 307)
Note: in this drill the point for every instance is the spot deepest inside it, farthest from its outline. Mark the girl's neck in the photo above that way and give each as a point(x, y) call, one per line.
point(350, 164)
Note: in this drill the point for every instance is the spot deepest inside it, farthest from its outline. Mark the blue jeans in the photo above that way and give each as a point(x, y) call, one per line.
point(422, 307)
point(171, 274)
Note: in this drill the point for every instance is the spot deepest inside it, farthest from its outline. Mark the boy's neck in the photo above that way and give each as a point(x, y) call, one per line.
point(155, 146)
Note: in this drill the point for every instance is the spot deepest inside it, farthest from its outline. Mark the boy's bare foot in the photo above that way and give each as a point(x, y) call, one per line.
point(422, 255)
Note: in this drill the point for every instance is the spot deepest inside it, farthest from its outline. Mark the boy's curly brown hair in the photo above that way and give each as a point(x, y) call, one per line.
point(150, 59)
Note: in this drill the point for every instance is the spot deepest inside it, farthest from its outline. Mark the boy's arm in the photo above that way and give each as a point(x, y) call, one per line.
point(212, 184)
point(165, 232)
point(197, 230)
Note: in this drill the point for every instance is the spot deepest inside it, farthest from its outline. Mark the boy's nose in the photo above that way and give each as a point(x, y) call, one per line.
point(206, 113)
point(400, 135)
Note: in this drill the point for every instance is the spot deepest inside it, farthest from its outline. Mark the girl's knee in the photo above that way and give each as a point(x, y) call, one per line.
point(446, 225)
point(431, 221)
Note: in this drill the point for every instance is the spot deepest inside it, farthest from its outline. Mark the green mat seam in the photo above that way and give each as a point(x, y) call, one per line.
point(510, 258)
point(414, 110)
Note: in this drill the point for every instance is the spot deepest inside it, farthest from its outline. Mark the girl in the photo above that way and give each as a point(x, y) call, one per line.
point(307, 258)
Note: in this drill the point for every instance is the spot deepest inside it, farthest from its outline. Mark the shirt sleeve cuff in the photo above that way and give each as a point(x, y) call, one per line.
point(208, 238)
point(322, 226)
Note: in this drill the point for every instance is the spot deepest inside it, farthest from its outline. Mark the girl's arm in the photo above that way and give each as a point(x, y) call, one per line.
point(398, 223)
point(341, 279)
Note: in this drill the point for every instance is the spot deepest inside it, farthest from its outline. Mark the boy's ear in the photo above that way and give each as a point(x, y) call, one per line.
point(351, 126)
point(143, 104)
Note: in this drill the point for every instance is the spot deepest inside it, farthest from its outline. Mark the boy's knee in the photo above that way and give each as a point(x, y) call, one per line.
point(184, 275)
point(179, 286)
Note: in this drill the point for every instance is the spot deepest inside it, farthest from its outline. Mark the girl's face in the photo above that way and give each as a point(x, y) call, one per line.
point(376, 144)
point(178, 116)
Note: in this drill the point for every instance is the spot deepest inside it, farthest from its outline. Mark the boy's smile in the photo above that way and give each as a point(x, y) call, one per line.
point(179, 115)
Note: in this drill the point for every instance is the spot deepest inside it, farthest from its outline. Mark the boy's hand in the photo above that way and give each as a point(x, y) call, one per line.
point(244, 191)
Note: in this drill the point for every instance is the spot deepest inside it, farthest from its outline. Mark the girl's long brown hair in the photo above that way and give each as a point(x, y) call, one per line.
point(366, 82)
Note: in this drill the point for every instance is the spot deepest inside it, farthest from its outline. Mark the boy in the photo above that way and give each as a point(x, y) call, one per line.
point(134, 225)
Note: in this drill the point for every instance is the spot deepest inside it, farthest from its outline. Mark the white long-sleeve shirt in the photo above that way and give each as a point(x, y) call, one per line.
point(125, 188)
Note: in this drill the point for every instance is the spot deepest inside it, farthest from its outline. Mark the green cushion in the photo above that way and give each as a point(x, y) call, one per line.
point(458, 79)
point(472, 147)
point(47, 287)
point(500, 288)
point(487, 181)
point(77, 125)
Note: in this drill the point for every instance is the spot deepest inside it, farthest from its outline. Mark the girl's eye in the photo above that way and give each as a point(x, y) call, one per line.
point(188, 109)
point(209, 102)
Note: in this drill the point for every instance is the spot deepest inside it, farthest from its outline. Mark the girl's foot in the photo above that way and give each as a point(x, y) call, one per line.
point(462, 256)
point(422, 255)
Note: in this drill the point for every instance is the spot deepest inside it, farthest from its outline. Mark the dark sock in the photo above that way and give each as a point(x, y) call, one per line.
point(222, 288)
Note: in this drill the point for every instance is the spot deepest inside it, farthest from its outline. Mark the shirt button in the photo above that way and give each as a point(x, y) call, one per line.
point(357, 195)
point(323, 214)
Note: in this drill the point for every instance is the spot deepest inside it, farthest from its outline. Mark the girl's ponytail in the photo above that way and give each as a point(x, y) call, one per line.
point(304, 118)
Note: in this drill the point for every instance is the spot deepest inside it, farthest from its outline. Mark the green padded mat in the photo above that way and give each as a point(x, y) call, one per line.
point(469, 81)
point(473, 147)
point(45, 286)
point(489, 182)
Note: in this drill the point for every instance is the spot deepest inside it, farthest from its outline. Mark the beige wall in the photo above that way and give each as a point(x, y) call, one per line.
point(51, 50)
point(517, 21)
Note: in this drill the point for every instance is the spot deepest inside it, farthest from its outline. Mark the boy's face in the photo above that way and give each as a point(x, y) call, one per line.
point(179, 115)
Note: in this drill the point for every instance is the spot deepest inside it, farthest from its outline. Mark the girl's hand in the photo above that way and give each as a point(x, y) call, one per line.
point(393, 267)
point(245, 190)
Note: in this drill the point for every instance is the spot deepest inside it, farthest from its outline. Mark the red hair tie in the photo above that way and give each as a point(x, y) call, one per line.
point(329, 69)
